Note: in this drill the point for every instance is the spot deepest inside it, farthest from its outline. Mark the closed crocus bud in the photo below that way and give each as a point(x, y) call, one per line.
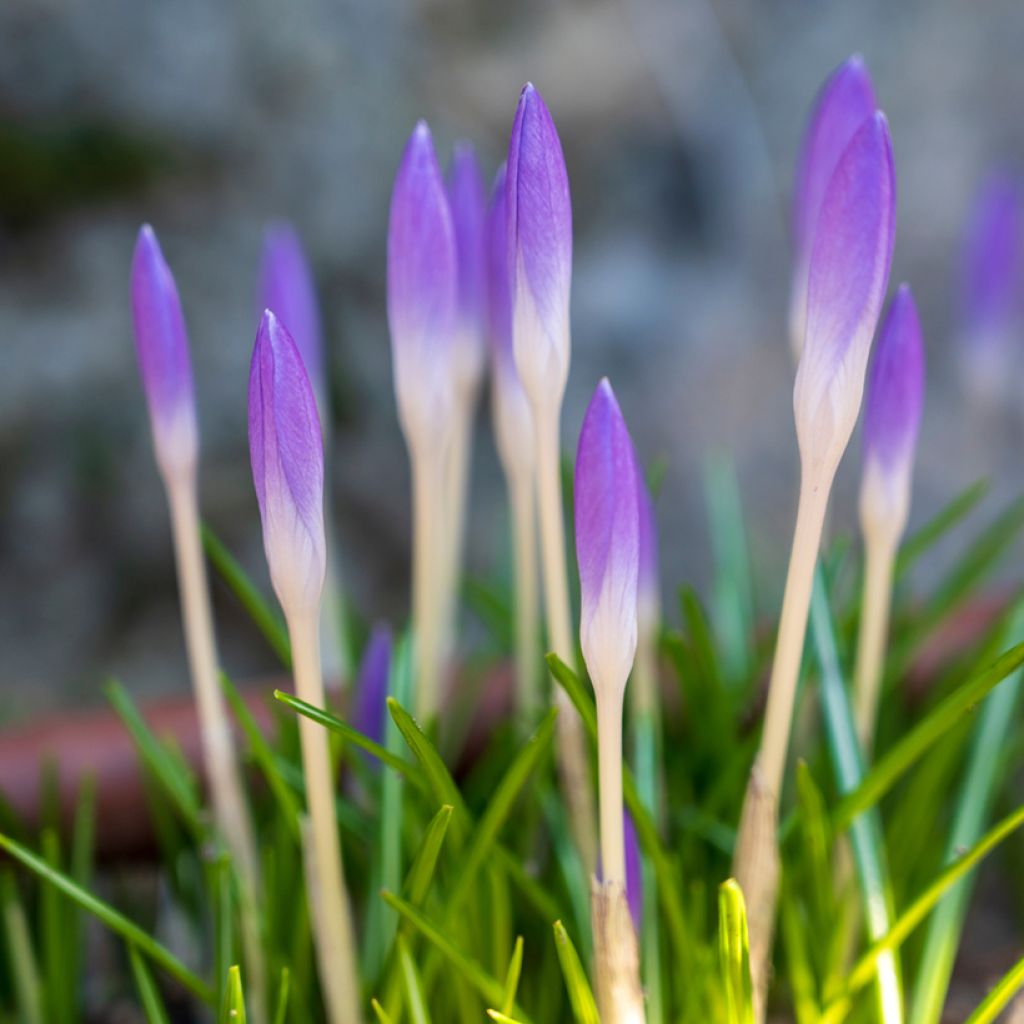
point(991, 282)
point(368, 714)
point(422, 290)
point(607, 542)
point(286, 449)
point(892, 415)
point(848, 273)
point(513, 419)
point(540, 249)
point(286, 288)
point(162, 347)
point(467, 196)
point(845, 102)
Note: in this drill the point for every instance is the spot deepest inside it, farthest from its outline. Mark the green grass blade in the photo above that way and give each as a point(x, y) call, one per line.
point(905, 753)
point(801, 975)
point(267, 619)
point(933, 531)
point(438, 778)
point(149, 995)
point(112, 918)
point(415, 999)
point(502, 1018)
point(28, 989)
point(995, 1002)
point(383, 1017)
point(512, 975)
point(734, 954)
point(59, 991)
point(421, 873)
point(581, 998)
point(234, 1004)
point(283, 991)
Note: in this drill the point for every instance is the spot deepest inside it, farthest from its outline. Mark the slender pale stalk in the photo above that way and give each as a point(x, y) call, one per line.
point(427, 578)
point(880, 556)
point(609, 760)
point(524, 543)
point(328, 898)
point(230, 810)
point(571, 747)
point(456, 485)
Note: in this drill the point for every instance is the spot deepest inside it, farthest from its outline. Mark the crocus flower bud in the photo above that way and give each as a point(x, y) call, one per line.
point(368, 714)
point(513, 419)
point(648, 585)
point(467, 196)
point(286, 288)
point(162, 347)
point(892, 415)
point(540, 249)
point(286, 449)
point(607, 542)
point(848, 272)
point(991, 282)
point(634, 871)
point(422, 289)
point(845, 102)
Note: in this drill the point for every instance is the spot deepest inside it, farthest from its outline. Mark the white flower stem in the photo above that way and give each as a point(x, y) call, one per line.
point(571, 747)
point(456, 485)
point(329, 905)
point(524, 542)
point(879, 558)
point(427, 579)
point(231, 813)
point(609, 763)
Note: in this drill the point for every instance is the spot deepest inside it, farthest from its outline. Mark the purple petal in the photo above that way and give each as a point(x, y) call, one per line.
point(499, 303)
point(607, 540)
point(895, 388)
point(162, 348)
point(286, 288)
point(634, 871)
point(539, 215)
point(467, 196)
point(368, 715)
point(422, 285)
point(286, 449)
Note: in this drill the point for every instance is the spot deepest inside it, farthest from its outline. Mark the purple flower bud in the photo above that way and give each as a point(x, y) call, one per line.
point(162, 348)
point(368, 714)
point(648, 584)
point(848, 273)
point(634, 871)
point(892, 415)
point(607, 542)
point(286, 288)
point(468, 198)
point(540, 249)
point(286, 449)
point(422, 288)
point(845, 102)
point(513, 418)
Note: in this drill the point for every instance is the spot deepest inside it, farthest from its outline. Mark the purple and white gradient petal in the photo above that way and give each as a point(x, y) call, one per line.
point(422, 291)
point(286, 449)
point(371, 693)
point(848, 275)
point(845, 102)
point(161, 344)
point(513, 418)
point(634, 871)
point(539, 214)
point(467, 196)
point(892, 415)
point(607, 542)
point(287, 290)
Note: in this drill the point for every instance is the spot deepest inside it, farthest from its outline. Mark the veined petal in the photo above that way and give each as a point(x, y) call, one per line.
point(849, 270)
point(607, 542)
point(164, 364)
point(286, 449)
point(539, 214)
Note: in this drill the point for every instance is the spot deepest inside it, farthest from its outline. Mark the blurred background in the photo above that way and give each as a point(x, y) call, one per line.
point(681, 123)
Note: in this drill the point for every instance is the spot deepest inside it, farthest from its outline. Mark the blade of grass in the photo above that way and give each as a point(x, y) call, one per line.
point(234, 1003)
point(581, 998)
point(149, 995)
point(382, 1015)
point(995, 1002)
point(515, 970)
point(734, 954)
point(59, 990)
point(502, 1018)
point(415, 999)
point(28, 989)
point(283, 991)
point(112, 918)
point(801, 976)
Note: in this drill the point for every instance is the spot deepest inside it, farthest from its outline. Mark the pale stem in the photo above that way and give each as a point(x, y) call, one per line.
point(230, 810)
point(609, 766)
point(427, 583)
point(571, 747)
point(524, 542)
point(329, 905)
point(879, 557)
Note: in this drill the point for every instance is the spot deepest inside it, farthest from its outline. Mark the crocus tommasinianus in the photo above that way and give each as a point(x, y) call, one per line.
point(372, 684)
point(847, 277)
point(513, 420)
point(607, 542)
point(991, 282)
point(539, 216)
point(467, 196)
point(286, 449)
point(162, 347)
point(287, 290)
point(845, 102)
point(892, 415)
point(422, 290)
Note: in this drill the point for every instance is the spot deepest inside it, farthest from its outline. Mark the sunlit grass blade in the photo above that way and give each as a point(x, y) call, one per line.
point(283, 991)
point(919, 543)
point(24, 971)
point(383, 1017)
point(260, 610)
point(438, 778)
point(581, 998)
point(149, 995)
point(502, 1018)
point(234, 1002)
point(515, 969)
point(801, 975)
point(414, 997)
point(905, 753)
point(996, 1001)
point(421, 873)
point(112, 918)
point(734, 954)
